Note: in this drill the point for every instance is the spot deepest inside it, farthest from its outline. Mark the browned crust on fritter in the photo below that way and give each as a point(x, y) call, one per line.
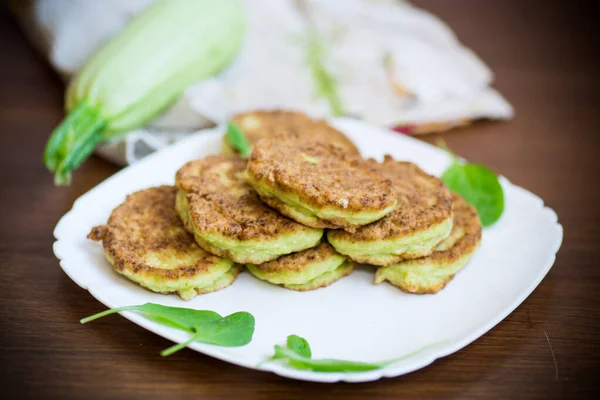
point(468, 227)
point(147, 222)
point(425, 290)
point(334, 279)
point(231, 208)
point(263, 124)
point(337, 181)
point(280, 206)
point(466, 220)
point(300, 260)
point(423, 201)
point(235, 271)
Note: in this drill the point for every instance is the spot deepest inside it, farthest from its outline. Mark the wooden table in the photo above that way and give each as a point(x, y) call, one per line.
point(543, 56)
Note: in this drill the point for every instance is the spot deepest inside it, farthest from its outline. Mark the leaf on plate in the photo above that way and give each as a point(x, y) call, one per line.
point(205, 326)
point(299, 345)
point(477, 184)
point(297, 355)
point(237, 139)
point(176, 317)
point(480, 187)
point(232, 331)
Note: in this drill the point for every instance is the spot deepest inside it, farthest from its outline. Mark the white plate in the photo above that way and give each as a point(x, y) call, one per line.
point(352, 319)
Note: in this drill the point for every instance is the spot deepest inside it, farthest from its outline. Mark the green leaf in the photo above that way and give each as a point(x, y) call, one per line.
point(176, 317)
point(238, 141)
point(323, 365)
point(205, 326)
point(299, 345)
point(480, 187)
point(232, 331)
point(298, 355)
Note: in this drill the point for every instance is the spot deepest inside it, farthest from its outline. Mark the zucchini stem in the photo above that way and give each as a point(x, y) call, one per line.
point(73, 141)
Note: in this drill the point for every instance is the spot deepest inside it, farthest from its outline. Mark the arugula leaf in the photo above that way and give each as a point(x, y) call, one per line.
point(297, 361)
point(297, 356)
point(296, 344)
point(299, 345)
point(478, 185)
point(205, 326)
point(176, 317)
point(236, 138)
point(232, 331)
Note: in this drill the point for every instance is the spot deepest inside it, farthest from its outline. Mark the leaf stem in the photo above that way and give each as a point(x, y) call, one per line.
point(108, 312)
point(405, 356)
point(180, 346)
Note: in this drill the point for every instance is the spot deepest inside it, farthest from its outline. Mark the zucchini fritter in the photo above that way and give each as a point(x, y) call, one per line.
point(306, 270)
point(145, 241)
point(430, 274)
point(228, 218)
point(319, 185)
point(258, 125)
point(421, 220)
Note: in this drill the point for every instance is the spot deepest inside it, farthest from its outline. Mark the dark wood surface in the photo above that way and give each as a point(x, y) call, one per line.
point(544, 55)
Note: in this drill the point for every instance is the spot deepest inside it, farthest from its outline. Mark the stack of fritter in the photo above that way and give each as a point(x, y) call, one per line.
point(300, 212)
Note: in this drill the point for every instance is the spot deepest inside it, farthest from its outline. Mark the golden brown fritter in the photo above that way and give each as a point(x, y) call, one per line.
point(424, 202)
point(430, 274)
point(258, 125)
point(299, 261)
point(145, 240)
point(465, 236)
point(319, 184)
point(305, 270)
point(228, 218)
point(327, 279)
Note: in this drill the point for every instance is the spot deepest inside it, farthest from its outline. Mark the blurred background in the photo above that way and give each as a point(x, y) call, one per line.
point(387, 62)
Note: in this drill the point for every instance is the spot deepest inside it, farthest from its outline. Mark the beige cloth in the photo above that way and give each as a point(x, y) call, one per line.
point(394, 64)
